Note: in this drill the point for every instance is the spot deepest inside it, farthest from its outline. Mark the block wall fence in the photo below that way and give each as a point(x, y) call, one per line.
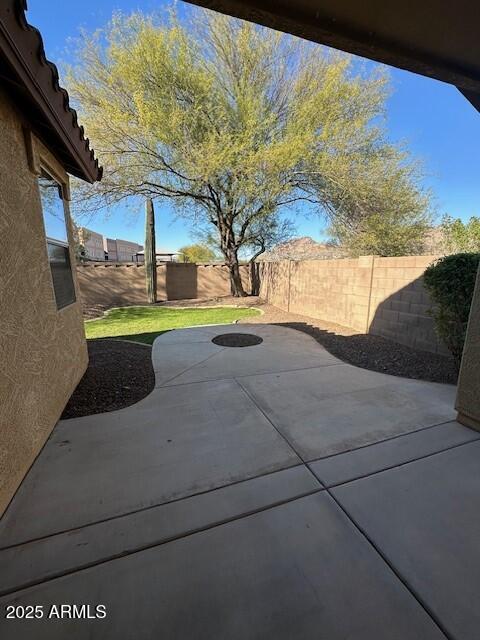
point(116, 285)
point(381, 296)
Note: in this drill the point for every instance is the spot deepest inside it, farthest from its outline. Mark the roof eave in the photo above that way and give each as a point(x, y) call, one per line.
point(36, 83)
point(319, 24)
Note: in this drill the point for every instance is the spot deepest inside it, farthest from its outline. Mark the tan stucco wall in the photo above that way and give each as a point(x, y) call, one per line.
point(111, 285)
point(468, 394)
point(383, 296)
point(42, 351)
point(179, 281)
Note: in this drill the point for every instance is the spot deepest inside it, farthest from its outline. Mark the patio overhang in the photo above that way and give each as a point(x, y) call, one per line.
point(434, 38)
point(33, 82)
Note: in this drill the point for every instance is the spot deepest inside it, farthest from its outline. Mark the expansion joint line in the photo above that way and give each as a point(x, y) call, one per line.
point(362, 532)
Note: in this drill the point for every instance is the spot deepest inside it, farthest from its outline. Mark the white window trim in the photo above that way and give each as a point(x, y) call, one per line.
point(44, 167)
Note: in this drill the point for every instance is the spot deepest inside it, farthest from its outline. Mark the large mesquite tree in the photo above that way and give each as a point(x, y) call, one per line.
point(231, 121)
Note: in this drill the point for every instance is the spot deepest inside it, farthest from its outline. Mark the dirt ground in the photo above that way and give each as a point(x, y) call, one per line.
point(365, 350)
point(119, 374)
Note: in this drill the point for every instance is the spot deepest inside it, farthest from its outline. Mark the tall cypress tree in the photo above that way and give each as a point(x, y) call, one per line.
point(150, 252)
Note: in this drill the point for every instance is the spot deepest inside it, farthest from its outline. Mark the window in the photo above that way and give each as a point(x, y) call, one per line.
point(57, 239)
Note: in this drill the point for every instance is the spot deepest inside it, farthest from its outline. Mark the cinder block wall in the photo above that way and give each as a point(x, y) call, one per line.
point(116, 285)
point(382, 296)
point(333, 290)
point(275, 283)
point(399, 307)
point(339, 288)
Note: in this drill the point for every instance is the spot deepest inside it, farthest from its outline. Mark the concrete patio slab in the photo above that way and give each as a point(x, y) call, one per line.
point(328, 410)
point(425, 519)
point(43, 559)
point(282, 349)
point(263, 330)
point(367, 460)
point(171, 360)
point(202, 333)
point(300, 570)
point(188, 510)
point(183, 336)
point(240, 362)
point(176, 442)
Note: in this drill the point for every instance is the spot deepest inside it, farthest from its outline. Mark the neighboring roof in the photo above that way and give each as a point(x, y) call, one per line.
point(89, 231)
point(161, 253)
point(33, 81)
point(436, 38)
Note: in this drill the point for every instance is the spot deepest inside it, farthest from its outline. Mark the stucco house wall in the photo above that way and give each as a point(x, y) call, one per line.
point(43, 352)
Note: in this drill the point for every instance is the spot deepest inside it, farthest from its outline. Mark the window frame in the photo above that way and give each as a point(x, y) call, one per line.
point(45, 169)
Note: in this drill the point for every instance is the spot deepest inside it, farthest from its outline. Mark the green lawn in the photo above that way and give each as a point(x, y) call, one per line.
point(144, 324)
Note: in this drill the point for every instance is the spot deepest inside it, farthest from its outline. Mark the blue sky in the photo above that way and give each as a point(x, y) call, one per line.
point(439, 125)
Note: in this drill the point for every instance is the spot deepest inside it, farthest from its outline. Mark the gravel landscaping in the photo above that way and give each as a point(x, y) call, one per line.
point(364, 350)
point(119, 374)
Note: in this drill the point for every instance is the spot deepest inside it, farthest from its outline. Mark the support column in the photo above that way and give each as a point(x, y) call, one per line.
point(468, 392)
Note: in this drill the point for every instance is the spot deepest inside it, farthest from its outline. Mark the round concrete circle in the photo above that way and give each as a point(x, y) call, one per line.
point(237, 340)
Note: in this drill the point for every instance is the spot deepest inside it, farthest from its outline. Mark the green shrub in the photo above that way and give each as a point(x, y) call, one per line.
point(450, 282)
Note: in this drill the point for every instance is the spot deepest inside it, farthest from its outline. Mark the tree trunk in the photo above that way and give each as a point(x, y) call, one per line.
point(150, 252)
point(255, 272)
point(236, 285)
point(254, 278)
point(230, 251)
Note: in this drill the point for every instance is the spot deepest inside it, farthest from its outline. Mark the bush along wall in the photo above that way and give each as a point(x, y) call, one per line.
point(450, 282)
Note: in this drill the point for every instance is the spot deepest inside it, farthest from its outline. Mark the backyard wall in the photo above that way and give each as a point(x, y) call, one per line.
point(43, 352)
point(115, 285)
point(382, 296)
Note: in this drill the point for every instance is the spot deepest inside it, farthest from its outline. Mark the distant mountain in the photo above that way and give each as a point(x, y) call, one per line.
point(305, 248)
